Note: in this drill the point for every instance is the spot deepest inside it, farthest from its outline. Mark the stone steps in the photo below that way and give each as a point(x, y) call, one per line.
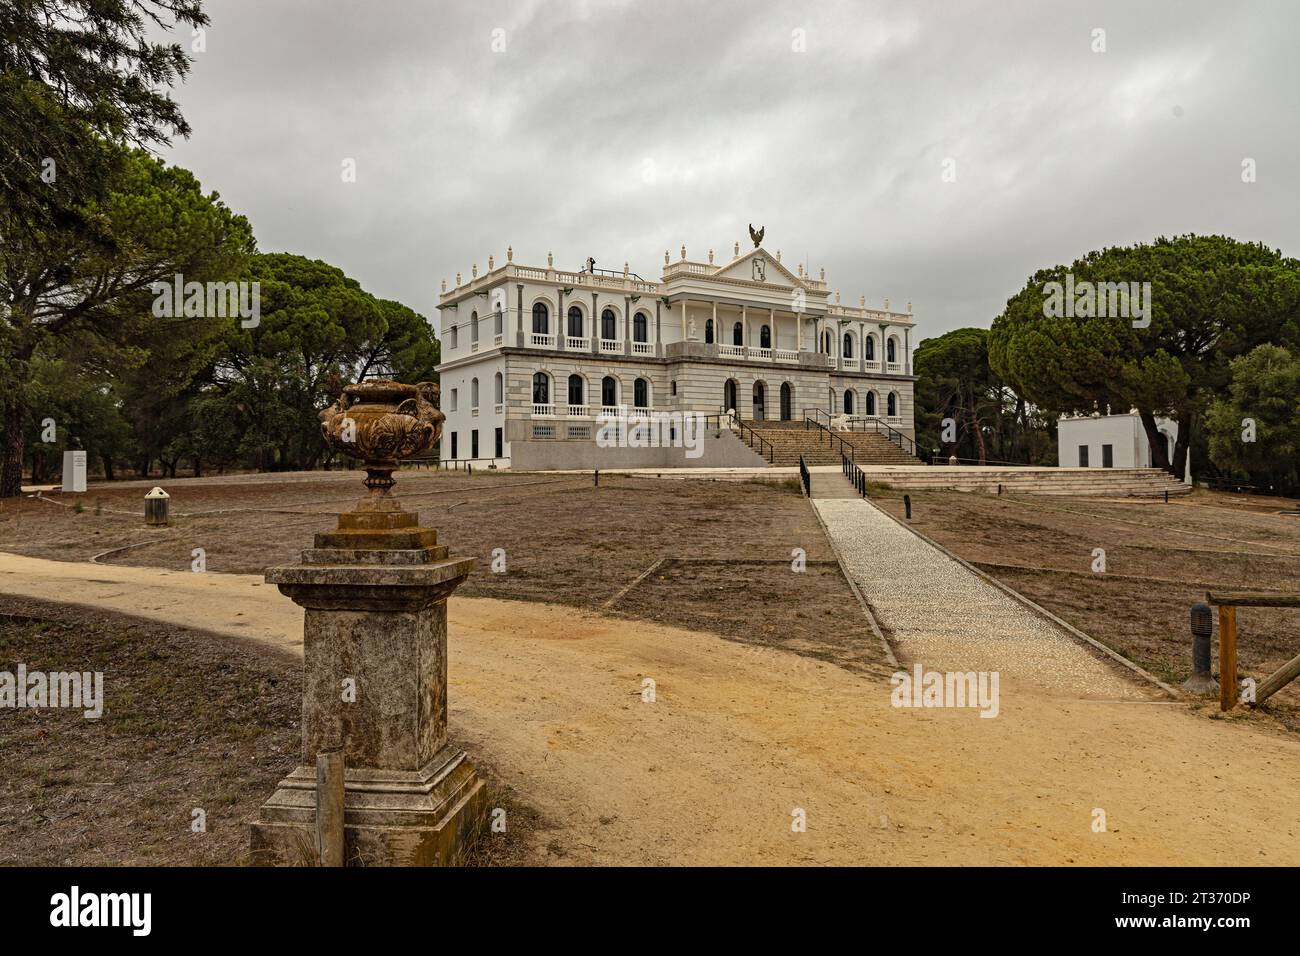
point(1082, 482)
point(791, 439)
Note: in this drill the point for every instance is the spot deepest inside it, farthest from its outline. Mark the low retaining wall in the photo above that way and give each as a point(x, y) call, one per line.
point(717, 450)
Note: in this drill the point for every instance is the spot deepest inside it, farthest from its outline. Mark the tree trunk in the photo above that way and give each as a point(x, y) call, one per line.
point(1155, 440)
point(979, 432)
point(108, 466)
point(198, 467)
point(11, 469)
point(1181, 446)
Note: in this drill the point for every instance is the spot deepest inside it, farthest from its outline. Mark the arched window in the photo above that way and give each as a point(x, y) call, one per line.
point(499, 390)
point(708, 331)
point(729, 394)
point(453, 337)
point(608, 391)
point(765, 338)
point(641, 393)
point(869, 348)
point(575, 322)
point(848, 402)
point(759, 401)
point(473, 327)
point(473, 393)
point(848, 346)
point(575, 389)
point(640, 328)
point(787, 402)
point(541, 318)
point(738, 334)
point(826, 343)
point(892, 405)
point(891, 351)
point(871, 403)
point(608, 325)
point(541, 389)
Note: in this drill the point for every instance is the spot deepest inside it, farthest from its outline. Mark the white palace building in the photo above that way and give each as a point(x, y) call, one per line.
point(533, 356)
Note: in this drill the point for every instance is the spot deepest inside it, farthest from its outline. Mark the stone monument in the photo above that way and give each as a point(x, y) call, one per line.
point(375, 660)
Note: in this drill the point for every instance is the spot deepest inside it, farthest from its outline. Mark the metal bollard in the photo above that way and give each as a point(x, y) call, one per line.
point(999, 489)
point(1201, 682)
point(595, 478)
point(907, 506)
point(156, 509)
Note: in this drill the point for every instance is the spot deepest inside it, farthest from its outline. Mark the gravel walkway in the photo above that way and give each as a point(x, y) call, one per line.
point(940, 614)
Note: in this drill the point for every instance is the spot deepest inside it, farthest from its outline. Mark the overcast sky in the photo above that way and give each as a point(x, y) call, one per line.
point(621, 129)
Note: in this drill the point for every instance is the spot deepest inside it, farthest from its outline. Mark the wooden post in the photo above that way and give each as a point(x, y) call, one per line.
point(1227, 656)
point(1277, 680)
point(329, 807)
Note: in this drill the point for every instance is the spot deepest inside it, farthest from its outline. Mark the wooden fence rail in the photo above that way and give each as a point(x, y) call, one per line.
point(1227, 602)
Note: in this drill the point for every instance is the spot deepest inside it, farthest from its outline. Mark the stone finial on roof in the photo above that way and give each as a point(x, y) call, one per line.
point(457, 280)
point(683, 252)
point(909, 308)
point(550, 260)
point(491, 260)
point(862, 301)
point(625, 270)
point(886, 305)
point(778, 255)
point(510, 253)
point(444, 285)
point(710, 257)
point(837, 296)
point(737, 252)
point(473, 270)
point(823, 274)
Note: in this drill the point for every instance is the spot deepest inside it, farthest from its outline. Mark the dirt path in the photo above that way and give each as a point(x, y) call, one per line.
point(741, 736)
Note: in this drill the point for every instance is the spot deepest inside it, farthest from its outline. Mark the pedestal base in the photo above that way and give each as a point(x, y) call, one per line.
point(390, 818)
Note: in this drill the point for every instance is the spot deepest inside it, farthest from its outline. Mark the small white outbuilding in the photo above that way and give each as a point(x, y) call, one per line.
point(1111, 441)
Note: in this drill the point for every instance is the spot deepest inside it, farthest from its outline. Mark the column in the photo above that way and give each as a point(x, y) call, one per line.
point(717, 332)
point(563, 328)
point(907, 351)
point(519, 323)
point(595, 326)
point(627, 324)
point(659, 339)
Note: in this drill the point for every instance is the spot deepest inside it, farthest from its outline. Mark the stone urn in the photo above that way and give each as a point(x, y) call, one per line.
point(375, 593)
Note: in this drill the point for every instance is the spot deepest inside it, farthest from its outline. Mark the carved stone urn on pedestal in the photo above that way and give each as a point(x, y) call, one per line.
point(375, 659)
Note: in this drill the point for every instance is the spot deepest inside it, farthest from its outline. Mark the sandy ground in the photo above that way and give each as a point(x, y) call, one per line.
point(741, 738)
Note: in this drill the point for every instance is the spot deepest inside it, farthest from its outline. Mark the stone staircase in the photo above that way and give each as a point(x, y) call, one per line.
point(1078, 482)
point(792, 439)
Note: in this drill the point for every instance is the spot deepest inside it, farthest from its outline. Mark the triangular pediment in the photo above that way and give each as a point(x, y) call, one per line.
point(771, 270)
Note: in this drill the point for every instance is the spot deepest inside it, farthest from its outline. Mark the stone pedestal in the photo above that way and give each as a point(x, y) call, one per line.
point(375, 681)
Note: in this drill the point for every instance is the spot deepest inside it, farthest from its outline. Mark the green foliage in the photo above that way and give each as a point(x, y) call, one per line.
point(1212, 299)
point(1255, 428)
point(59, 285)
point(319, 330)
point(990, 421)
point(74, 75)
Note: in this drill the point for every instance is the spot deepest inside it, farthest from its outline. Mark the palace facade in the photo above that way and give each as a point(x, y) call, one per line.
point(532, 355)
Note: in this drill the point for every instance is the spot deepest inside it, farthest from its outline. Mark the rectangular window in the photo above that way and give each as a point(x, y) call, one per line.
point(1108, 456)
point(453, 446)
point(1083, 456)
point(451, 406)
point(501, 448)
point(473, 443)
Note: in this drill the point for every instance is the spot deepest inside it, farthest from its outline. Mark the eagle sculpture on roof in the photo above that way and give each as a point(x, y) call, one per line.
point(756, 236)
